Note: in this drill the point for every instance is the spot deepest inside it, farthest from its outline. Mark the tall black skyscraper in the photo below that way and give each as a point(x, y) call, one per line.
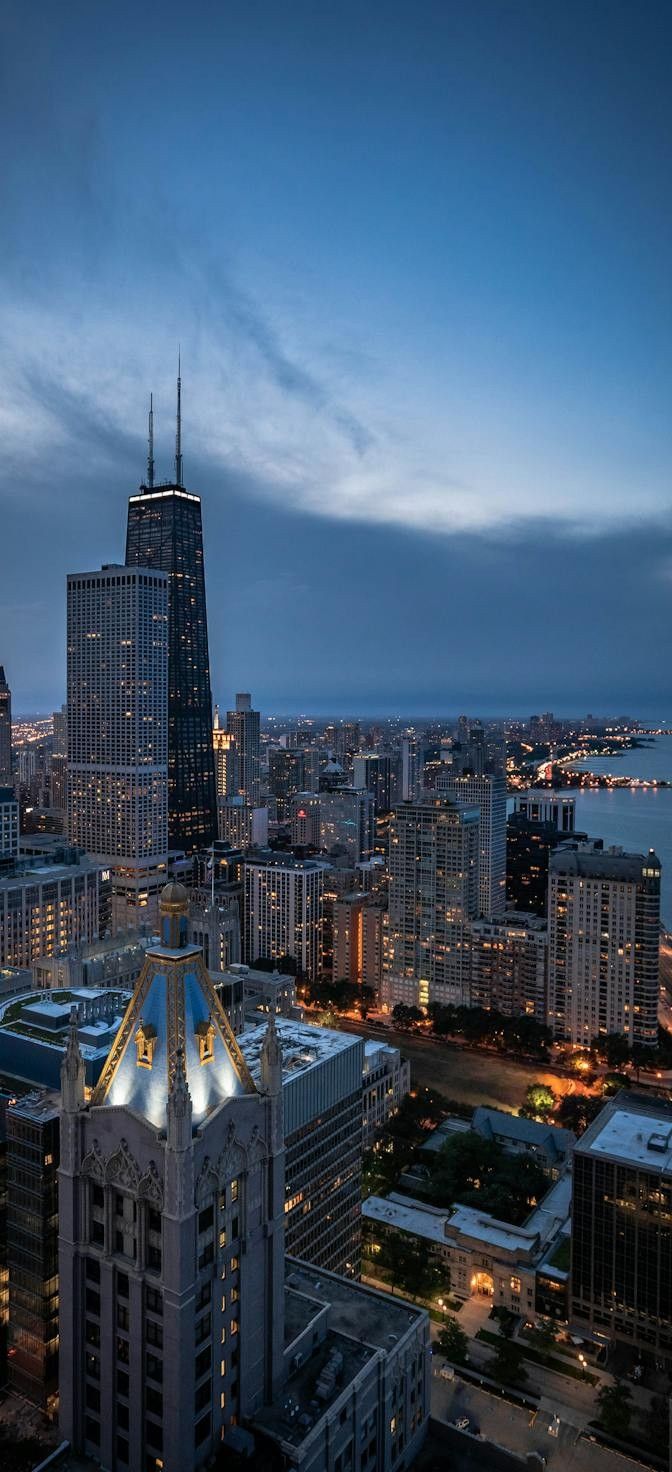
point(165, 531)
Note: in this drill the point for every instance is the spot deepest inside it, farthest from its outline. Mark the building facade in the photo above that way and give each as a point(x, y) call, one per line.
point(226, 759)
point(117, 670)
point(32, 1124)
point(347, 823)
point(359, 934)
point(433, 897)
point(488, 791)
point(509, 965)
point(283, 910)
point(165, 533)
point(44, 907)
point(5, 731)
point(604, 922)
point(243, 724)
point(539, 805)
point(387, 1080)
point(9, 828)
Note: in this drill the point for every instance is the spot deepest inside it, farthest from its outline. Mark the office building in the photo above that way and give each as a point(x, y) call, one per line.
point(387, 1080)
point(44, 906)
point(358, 940)
point(9, 828)
point(226, 759)
point(283, 910)
point(347, 823)
point(409, 776)
point(241, 825)
point(433, 897)
point(528, 848)
point(117, 731)
point(165, 534)
point(32, 1126)
point(34, 1030)
point(621, 1274)
point(488, 790)
point(540, 805)
point(604, 924)
point(322, 1075)
point(286, 778)
point(110, 961)
point(243, 724)
point(373, 770)
point(509, 965)
point(172, 1274)
point(6, 779)
point(304, 820)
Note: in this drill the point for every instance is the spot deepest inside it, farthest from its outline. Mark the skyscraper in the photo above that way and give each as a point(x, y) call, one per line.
point(243, 724)
point(117, 730)
point(226, 759)
point(433, 865)
point(5, 731)
point(165, 531)
point(603, 962)
point(283, 909)
point(488, 789)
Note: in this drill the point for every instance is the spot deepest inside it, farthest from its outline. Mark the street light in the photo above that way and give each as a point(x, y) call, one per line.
point(582, 1362)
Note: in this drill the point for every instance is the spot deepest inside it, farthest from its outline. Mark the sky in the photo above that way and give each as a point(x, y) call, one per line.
point(416, 256)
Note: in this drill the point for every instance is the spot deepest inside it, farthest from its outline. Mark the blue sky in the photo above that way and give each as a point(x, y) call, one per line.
point(417, 256)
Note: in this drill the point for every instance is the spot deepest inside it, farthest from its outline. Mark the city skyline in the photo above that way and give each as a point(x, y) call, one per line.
point(424, 316)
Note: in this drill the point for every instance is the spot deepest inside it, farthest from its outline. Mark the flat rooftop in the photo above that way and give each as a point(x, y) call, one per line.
point(638, 1133)
point(438, 1226)
point(303, 1046)
point(371, 1317)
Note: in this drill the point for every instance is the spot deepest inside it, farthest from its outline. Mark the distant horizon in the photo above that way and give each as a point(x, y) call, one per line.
point(418, 715)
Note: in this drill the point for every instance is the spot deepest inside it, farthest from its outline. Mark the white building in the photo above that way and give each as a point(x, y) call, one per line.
point(118, 731)
point(542, 806)
point(283, 909)
point(240, 824)
point(433, 896)
point(488, 790)
point(387, 1080)
point(603, 966)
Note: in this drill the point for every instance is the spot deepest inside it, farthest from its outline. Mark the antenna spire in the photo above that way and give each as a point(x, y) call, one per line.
point(150, 444)
point(178, 433)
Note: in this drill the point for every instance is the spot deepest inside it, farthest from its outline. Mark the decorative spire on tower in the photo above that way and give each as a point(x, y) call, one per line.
point(271, 1059)
point(179, 1108)
point(150, 444)
point(72, 1070)
point(178, 431)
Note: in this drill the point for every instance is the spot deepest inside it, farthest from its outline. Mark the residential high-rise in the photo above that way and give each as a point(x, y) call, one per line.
point(243, 724)
point(226, 759)
point(509, 965)
point(540, 805)
point(528, 848)
point(304, 819)
point(286, 769)
point(171, 1214)
point(240, 824)
point(9, 828)
point(45, 907)
point(5, 731)
point(283, 909)
point(165, 532)
point(433, 897)
point(603, 964)
point(358, 938)
point(488, 789)
point(32, 1245)
point(621, 1283)
point(373, 770)
point(117, 730)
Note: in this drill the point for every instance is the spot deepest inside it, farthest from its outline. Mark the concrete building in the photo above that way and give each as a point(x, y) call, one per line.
point(509, 965)
point(34, 1031)
point(9, 828)
point(347, 823)
point(45, 906)
point(267, 991)
point(304, 819)
point(6, 779)
point(118, 731)
point(171, 1225)
point(540, 805)
point(433, 897)
point(241, 825)
point(387, 1080)
point(359, 931)
point(358, 1377)
point(226, 759)
point(283, 909)
point(621, 1274)
point(114, 961)
point(488, 790)
point(604, 921)
point(243, 724)
point(322, 1074)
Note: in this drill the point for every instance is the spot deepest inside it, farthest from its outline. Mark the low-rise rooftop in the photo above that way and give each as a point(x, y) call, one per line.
point(637, 1132)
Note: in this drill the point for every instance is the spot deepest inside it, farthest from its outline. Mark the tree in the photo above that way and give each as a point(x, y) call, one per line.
point(406, 1017)
point(539, 1102)
point(406, 1263)
point(614, 1402)
point(507, 1365)
point(452, 1341)
point(612, 1083)
point(544, 1339)
point(576, 1111)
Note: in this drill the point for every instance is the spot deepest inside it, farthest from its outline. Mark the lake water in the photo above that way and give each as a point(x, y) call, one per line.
point(636, 818)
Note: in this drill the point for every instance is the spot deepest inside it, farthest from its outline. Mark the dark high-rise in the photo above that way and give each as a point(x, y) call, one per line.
point(165, 531)
point(5, 731)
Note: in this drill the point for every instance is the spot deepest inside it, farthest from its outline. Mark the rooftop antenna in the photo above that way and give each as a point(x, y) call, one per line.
point(178, 433)
point(150, 444)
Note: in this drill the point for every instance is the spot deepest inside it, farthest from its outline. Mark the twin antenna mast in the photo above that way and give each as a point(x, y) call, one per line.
point(178, 435)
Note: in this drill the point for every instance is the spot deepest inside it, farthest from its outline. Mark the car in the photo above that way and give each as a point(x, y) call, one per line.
point(554, 1427)
point(447, 1372)
point(462, 1423)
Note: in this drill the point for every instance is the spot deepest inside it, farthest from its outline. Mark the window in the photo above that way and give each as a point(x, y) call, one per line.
point(206, 1218)
point(92, 1430)
point(122, 1285)
point(154, 1401)
point(145, 1044)
point(92, 1398)
point(154, 1368)
point(205, 1036)
point(122, 1350)
point(122, 1450)
point(92, 1334)
point(122, 1382)
point(154, 1334)
point(202, 1431)
point(122, 1416)
point(154, 1301)
point(93, 1269)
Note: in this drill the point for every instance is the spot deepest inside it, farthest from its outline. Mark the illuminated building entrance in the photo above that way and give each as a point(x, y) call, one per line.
point(482, 1283)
